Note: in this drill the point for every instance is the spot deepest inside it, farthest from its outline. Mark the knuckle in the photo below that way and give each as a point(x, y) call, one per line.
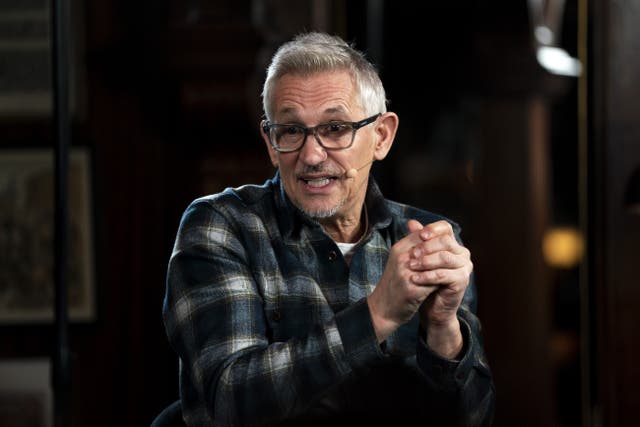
point(449, 242)
point(446, 258)
point(446, 227)
point(439, 274)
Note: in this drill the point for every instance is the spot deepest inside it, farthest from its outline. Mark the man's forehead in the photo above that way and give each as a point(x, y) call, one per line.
point(290, 111)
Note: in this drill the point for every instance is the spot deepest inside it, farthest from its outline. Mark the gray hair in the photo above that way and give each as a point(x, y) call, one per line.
point(314, 52)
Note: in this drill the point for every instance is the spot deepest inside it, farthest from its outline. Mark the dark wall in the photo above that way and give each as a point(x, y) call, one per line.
point(615, 158)
point(169, 108)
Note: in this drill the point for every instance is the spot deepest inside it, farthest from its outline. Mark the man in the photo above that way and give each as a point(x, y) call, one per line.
point(311, 298)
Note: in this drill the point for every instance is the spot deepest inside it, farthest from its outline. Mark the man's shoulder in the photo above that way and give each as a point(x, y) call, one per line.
point(232, 205)
point(242, 197)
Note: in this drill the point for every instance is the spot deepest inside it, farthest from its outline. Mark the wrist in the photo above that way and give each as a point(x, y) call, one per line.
point(445, 338)
point(382, 327)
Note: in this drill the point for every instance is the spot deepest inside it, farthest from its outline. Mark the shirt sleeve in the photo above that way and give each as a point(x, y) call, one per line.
point(465, 385)
point(214, 318)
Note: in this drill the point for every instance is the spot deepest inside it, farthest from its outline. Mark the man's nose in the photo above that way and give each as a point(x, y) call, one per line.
point(312, 152)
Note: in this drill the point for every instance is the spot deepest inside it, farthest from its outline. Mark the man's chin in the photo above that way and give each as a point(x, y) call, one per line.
point(320, 212)
point(318, 215)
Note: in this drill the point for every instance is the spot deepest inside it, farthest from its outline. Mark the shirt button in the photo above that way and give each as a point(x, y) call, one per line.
point(275, 316)
point(332, 256)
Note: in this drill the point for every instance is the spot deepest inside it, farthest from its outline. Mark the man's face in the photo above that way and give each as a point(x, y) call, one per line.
point(315, 179)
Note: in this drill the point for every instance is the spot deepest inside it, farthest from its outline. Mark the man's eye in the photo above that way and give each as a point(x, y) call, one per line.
point(335, 127)
point(292, 130)
point(287, 131)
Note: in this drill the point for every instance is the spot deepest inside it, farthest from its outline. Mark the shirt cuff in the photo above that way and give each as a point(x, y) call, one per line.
point(448, 374)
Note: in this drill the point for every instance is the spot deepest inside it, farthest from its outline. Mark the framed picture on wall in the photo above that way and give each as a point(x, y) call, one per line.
point(26, 398)
point(26, 61)
point(27, 239)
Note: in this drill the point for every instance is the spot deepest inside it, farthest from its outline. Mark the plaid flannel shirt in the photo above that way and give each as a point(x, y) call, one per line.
point(272, 327)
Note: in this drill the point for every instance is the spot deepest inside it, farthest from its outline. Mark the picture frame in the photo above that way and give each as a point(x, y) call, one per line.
point(26, 62)
point(26, 396)
point(27, 291)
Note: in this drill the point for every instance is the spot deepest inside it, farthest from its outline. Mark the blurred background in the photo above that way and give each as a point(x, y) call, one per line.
point(518, 119)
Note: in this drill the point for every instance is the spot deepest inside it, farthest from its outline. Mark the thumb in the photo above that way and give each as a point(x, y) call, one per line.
point(414, 225)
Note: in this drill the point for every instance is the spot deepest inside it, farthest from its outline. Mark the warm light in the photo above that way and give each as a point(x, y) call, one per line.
point(562, 247)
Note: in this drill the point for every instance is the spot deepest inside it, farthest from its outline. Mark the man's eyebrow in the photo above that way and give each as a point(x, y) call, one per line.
point(336, 110)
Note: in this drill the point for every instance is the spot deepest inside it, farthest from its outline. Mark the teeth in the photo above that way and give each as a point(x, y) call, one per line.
point(320, 182)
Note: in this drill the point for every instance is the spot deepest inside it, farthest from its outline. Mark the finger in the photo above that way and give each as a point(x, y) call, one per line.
point(440, 259)
point(414, 225)
point(442, 276)
point(437, 228)
point(437, 244)
point(413, 238)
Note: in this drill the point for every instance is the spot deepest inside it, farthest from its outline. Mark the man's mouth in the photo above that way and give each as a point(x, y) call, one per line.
point(318, 182)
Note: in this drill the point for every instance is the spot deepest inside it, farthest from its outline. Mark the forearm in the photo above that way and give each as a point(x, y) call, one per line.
point(240, 375)
point(274, 382)
point(464, 385)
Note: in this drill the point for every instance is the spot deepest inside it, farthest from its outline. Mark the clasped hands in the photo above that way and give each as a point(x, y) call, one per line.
point(427, 272)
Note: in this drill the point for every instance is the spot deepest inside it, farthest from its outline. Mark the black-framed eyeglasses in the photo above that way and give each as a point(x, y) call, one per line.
point(335, 135)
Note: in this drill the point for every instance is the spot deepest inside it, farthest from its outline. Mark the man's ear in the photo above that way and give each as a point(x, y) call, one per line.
point(273, 154)
point(385, 130)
